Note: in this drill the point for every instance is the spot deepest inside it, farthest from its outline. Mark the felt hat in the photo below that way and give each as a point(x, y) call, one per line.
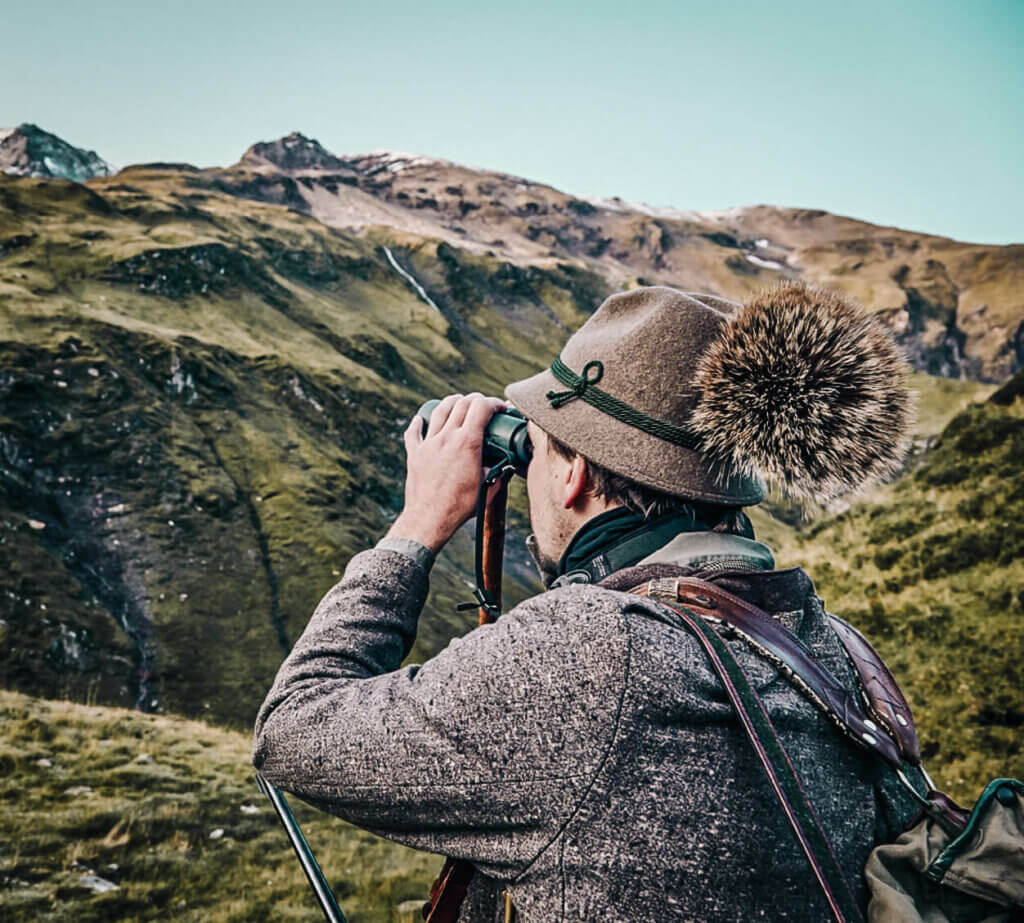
point(706, 399)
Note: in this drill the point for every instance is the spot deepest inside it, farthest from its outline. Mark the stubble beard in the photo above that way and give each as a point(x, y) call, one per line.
point(547, 557)
point(548, 565)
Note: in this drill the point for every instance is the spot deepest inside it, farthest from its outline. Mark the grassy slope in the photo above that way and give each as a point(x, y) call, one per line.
point(932, 569)
point(159, 787)
point(202, 396)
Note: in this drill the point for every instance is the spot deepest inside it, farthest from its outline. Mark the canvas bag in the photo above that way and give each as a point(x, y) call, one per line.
point(936, 875)
point(948, 866)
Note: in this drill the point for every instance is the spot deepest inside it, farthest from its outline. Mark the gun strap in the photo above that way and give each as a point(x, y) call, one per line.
point(448, 892)
point(449, 889)
point(770, 751)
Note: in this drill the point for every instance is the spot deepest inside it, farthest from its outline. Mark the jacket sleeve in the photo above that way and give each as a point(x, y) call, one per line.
point(483, 752)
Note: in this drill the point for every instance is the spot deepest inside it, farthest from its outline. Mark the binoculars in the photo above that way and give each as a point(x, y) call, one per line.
point(504, 439)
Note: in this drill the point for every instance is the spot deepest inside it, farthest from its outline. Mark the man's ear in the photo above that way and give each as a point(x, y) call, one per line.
point(577, 483)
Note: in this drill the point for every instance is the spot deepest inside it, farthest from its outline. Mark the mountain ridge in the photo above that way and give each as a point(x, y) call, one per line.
point(957, 308)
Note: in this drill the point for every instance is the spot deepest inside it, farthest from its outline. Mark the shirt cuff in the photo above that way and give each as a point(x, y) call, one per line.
point(420, 554)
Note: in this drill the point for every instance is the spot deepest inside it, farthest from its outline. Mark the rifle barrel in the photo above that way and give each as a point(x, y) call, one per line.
point(316, 879)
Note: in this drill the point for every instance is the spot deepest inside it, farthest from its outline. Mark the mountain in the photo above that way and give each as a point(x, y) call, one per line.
point(958, 308)
point(201, 403)
point(204, 375)
point(29, 151)
point(292, 153)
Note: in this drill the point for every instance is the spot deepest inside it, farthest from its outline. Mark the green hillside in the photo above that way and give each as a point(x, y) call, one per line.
point(136, 801)
point(201, 402)
point(932, 570)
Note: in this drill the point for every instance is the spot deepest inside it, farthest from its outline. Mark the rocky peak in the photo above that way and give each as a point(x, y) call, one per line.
point(293, 152)
point(29, 151)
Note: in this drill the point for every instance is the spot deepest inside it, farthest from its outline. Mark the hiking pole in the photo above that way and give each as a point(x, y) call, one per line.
point(316, 879)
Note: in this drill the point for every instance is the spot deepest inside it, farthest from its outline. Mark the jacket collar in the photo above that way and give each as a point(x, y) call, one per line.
point(712, 551)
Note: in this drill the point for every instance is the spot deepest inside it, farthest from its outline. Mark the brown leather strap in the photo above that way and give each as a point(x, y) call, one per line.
point(884, 698)
point(778, 768)
point(772, 639)
point(494, 546)
point(448, 892)
point(449, 888)
point(881, 693)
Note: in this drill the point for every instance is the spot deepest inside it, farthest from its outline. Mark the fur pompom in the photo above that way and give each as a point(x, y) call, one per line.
point(807, 390)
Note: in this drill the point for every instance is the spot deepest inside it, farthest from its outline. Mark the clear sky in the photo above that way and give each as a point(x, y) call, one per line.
point(905, 112)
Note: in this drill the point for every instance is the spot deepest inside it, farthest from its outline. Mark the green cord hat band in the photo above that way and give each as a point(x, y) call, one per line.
point(585, 388)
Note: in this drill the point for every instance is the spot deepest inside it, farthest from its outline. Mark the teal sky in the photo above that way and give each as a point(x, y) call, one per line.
point(905, 113)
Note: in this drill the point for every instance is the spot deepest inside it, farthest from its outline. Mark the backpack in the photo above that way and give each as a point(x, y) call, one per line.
point(948, 865)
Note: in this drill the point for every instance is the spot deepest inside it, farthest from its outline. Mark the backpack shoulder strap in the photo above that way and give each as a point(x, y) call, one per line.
point(879, 720)
point(770, 638)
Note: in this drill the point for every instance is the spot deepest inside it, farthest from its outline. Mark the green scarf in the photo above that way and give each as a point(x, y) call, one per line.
point(621, 537)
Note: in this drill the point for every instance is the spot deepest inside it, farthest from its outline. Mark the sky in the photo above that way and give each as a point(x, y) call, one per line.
point(906, 112)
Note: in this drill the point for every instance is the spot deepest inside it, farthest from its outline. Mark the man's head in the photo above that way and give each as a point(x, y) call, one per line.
point(566, 490)
point(664, 397)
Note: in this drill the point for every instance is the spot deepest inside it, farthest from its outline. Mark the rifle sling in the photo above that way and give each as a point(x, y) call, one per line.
point(773, 757)
point(770, 638)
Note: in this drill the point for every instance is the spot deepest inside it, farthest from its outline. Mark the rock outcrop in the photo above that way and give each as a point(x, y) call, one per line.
point(29, 151)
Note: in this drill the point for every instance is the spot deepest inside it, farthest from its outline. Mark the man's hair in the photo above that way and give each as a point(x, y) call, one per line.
point(651, 503)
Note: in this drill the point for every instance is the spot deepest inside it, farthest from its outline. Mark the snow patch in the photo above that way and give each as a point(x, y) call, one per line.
point(298, 391)
point(723, 215)
point(616, 204)
point(98, 885)
point(181, 380)
point(767, 264)
point(763, 242)
point(397, 161)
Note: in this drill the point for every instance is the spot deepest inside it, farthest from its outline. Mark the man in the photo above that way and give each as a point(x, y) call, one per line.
point(581, 752)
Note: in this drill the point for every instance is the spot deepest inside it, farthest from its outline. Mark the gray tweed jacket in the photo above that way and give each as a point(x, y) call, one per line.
point(580, 751)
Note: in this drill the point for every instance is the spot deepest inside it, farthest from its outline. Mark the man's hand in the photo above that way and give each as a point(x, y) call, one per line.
point(444, 469)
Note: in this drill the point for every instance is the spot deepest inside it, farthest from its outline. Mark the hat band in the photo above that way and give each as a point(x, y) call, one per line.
point(585, 388)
